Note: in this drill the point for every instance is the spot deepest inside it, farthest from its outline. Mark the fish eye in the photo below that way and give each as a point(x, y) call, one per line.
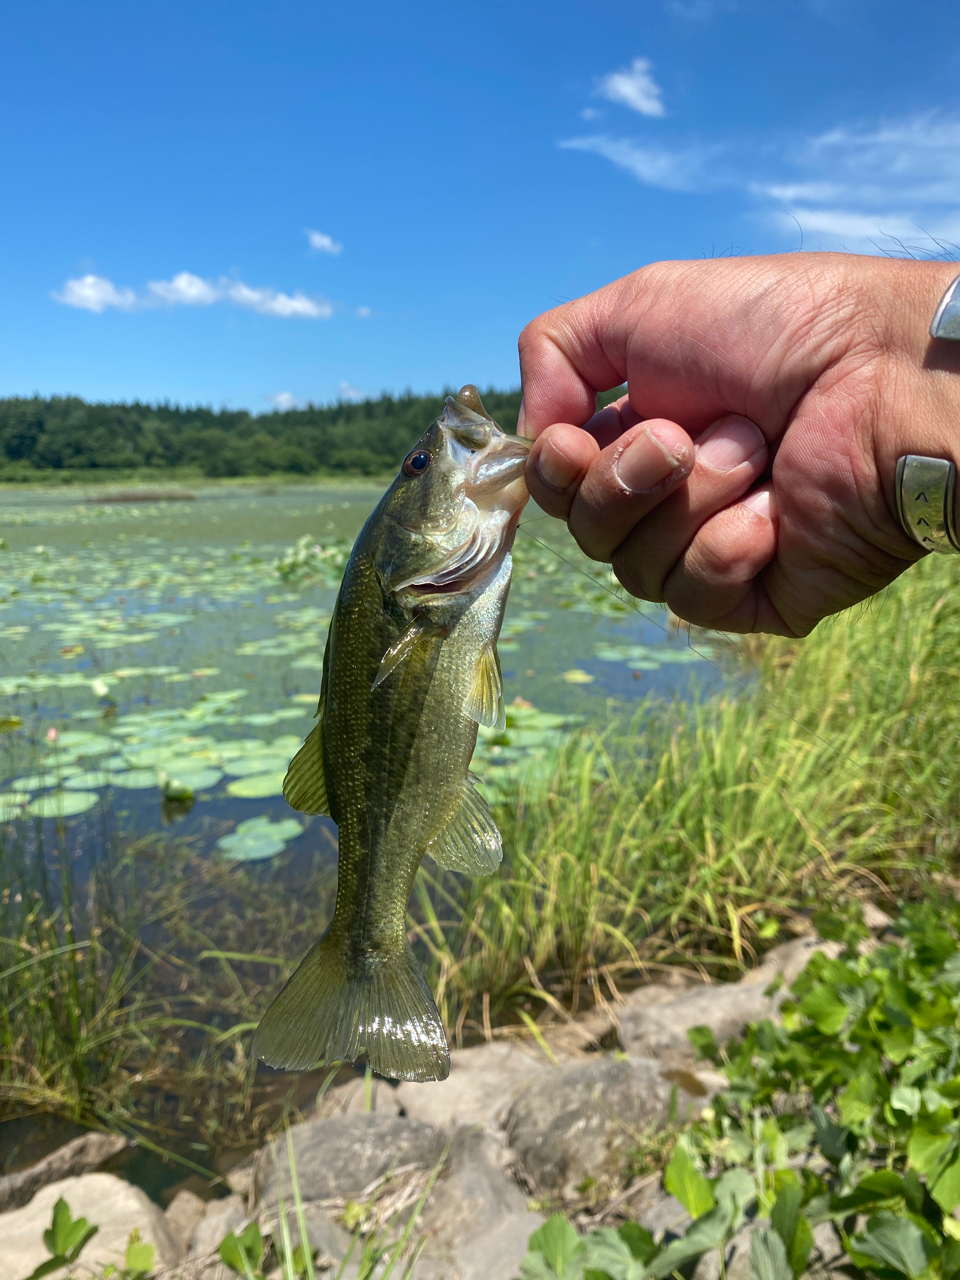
point(417, 462)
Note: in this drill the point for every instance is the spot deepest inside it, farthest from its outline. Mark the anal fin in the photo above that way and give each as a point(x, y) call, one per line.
point(469, 841)
point(485, 698)
point(305, 786)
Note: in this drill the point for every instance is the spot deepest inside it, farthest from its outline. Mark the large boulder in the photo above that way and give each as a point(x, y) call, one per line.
point(353, 1096)
point(476, 1221)
point(341, 1156)
point(105, 1200)
point(184, 1214)
point(578, 1122)
point(484, 1082)
point(85, 1154)
point(654, 1020)
point(221, 1217)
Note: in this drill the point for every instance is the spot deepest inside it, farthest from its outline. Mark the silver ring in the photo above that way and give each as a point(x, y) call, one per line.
point(946, 318)
point(925, 502)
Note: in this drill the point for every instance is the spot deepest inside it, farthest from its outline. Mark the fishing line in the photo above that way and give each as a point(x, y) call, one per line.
point(764, 699)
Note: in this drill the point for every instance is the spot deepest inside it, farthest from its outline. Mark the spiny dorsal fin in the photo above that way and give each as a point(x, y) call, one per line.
point(417, 631)
point(485, 698)
point(469, 841)
point(470, 397)
point(305, 786)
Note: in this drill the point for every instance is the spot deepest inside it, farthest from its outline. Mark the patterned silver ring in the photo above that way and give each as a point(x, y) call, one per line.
point(925, 502)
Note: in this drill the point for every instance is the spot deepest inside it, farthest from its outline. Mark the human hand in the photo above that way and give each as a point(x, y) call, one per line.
point(747, 479)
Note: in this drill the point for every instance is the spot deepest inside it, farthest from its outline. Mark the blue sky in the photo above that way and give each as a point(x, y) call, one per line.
point(243, 204)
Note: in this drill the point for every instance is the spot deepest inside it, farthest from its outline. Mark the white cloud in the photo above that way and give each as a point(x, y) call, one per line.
point(350, 393)
point(362, 313)
point(283, 401)
point(899, 180)
point(270, 302)
point(635, 88)
point(891, 187)
point(590, 113)
point(323, 243)
point(185, 289)
point(671, 170)
point(94, 293)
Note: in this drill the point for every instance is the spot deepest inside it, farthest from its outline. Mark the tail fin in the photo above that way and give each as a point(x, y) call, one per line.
point(325, 1015)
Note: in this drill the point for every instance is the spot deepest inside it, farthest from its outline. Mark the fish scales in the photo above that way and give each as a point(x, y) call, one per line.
point(409, 671)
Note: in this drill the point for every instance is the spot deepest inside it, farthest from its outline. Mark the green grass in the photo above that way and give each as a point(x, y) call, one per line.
point(699, 834)
point(695, 835)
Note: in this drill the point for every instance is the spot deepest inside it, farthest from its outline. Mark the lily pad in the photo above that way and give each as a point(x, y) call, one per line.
point(35, 782)
point(62, 804)
point(82, 743)
point(246, 768)
point(12, 803)
point(85, 781)
point(195, 779)
point(134, 779)
point(258, 838)
point(258, 786)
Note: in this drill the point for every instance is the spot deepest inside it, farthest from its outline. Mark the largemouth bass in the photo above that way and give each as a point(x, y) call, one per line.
point(409, 671)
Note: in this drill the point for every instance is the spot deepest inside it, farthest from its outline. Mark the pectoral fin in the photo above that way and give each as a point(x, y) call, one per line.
point(305, 786)
point(469, 840)
point(417, 632)
point(485, 698)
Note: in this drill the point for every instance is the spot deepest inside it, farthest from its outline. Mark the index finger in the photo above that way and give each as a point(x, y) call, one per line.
point(564, 362)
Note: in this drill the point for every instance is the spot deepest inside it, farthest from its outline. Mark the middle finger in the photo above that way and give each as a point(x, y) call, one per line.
point(731, 456)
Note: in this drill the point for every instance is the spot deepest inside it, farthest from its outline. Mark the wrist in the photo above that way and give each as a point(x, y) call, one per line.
point(918, 400)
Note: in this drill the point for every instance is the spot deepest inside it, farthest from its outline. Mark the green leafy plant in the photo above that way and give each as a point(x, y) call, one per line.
point(65, 1239)
point(848, 1113)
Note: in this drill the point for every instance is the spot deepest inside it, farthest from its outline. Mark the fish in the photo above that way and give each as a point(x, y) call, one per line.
point(410, 670)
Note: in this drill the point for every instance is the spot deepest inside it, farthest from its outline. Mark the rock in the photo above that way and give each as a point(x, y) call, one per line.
point(325, 1236)
point(476, 1221)
point(83, 1155)
point(240, 1178)
point(736, 1257)
point(352, 1096)
point(184, 1214)
point(667, 1217)
point(222, 1217)
point(340, 1156)
point(115, 1206)
point(483, 1083)
point(654, 1024)
point(874, 918)
point(827, 1255)
point(201, 1187)
point(579, 1121)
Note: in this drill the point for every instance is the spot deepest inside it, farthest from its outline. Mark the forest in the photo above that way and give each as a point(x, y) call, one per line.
point(65, 437)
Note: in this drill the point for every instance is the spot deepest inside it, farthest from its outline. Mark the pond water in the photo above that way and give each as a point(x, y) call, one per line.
point(160, 659)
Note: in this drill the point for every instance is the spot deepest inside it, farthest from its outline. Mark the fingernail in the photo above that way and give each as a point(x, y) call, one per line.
point(762, 502)
point(521, 419)
point(557, 471)
point(646, 462)
point(729, 444)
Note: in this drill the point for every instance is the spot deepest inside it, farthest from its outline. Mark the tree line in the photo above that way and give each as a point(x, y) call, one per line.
point(66, 434)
